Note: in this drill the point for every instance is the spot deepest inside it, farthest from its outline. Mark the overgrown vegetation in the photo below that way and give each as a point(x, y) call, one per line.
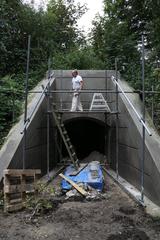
point(54, 33)
point(118, 35)
point(43, 201)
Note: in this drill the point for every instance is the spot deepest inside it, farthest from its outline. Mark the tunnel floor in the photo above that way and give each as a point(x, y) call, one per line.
point(86, 136)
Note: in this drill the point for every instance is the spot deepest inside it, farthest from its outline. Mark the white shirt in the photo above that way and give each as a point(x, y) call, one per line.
point(76, 82)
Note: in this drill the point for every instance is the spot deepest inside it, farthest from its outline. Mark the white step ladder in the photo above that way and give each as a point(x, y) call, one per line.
point(99, 103)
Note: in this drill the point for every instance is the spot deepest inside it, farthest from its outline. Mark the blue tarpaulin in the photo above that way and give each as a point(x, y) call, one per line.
point(90, 175)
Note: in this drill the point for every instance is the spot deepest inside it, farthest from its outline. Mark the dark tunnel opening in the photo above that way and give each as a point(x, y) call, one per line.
point(87, 135)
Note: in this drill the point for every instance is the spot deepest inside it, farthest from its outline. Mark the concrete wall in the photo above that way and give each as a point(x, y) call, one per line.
point(92, 80)
point(130, 145)
point(11, 152)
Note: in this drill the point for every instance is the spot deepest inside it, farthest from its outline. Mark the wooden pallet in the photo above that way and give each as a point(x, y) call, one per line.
point(18, 184)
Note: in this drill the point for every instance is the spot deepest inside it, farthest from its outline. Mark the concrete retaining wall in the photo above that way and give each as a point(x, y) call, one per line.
point(11, 152)
point(130, 146)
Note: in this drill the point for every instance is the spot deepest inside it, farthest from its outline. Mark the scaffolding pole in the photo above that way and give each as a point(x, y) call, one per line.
point(105, 137)
point(143, 128)
point(152, 105)
point(134, 109)
point(48, 116)
point(26, 103)
point(82, 91)
point(117, 128)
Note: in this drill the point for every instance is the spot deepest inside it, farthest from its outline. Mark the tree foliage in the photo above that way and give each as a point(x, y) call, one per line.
point(118, 35)
point(54, 33)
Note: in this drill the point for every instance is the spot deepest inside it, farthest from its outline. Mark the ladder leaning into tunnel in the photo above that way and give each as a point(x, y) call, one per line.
point(66, 139)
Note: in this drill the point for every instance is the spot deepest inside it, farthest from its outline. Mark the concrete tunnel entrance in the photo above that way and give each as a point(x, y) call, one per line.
point(87, 135)
point(88, 131)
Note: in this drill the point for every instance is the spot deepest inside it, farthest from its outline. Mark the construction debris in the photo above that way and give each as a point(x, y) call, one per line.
point(90, 175)
point(79, 189)
point(92, 194)
point(88, 182)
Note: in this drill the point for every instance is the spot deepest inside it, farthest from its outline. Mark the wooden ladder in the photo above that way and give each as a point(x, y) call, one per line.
point(66, 139)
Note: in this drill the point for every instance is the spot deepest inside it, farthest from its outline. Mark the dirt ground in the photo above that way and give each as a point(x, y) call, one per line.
point(115, 217)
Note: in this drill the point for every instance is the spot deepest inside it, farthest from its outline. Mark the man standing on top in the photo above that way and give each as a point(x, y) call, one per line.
point(77, 84)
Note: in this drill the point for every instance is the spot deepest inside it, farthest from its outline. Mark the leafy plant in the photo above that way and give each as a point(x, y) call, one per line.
point(42, 202)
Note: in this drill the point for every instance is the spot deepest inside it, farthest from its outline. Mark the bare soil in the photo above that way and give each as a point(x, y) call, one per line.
point(116, 217)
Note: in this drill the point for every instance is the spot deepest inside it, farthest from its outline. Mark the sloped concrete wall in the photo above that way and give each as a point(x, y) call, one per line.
point(11, 152)
point(130, 145)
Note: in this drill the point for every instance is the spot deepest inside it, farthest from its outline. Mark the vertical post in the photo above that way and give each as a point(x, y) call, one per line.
point(109, 147)
point(105, 138)
point(61, 100)
point(56, 144)
point(117, 129)
point(106, 84)
point(152, 104)
point(13, 106)
point(48, 113)
point(60, 142)
point(105, 116)
point(143, 128)
point(26, 102)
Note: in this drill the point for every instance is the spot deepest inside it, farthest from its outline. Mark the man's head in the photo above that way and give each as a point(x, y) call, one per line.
point(74, 72)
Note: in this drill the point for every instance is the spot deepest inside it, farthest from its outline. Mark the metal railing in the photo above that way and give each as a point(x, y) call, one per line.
point(144, 127)
point(132, 106)
point(44, 91)
point(28, 119)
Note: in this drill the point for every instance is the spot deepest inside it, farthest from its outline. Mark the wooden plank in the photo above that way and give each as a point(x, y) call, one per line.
point(78, 188)
point(15, 201)
point(18, 172)
point(13, 188)
point(23, 182)
point(6, 199)
point(18, 188)
point(15, 207)
point(6, 180)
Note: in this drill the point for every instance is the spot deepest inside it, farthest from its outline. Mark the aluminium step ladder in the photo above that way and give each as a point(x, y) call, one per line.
point(63, 132)
point(99, 103)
